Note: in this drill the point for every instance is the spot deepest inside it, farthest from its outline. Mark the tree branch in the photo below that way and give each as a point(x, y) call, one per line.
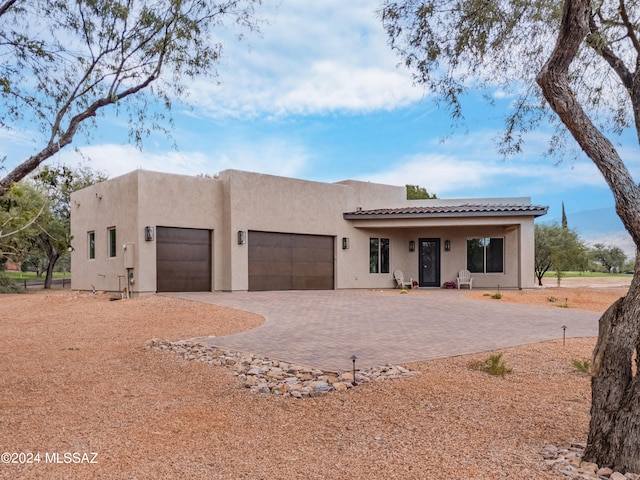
point(554, 81)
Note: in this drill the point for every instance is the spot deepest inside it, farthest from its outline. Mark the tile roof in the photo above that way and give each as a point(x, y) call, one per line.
point(471, 210)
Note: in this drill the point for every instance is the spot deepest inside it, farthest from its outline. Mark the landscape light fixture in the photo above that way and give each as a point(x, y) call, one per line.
point(242, 238)
point(412, 246)
point(353, 359)
point(564, 333)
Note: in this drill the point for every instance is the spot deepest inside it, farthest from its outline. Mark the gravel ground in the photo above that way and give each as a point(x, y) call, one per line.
point(76, 378)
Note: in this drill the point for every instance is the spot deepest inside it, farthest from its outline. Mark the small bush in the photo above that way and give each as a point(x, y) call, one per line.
point(552, 299)
point(497, 296)
point(565, 304)
point(494, 365)
point(486, 294)
point(583, 366)
point(7, 285)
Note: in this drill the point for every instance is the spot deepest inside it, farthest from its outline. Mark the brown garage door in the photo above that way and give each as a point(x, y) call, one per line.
point(183, 259)
point(286, 261)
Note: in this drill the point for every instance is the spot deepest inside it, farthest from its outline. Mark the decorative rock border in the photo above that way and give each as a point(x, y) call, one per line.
point(568, 462)
point(262, 375)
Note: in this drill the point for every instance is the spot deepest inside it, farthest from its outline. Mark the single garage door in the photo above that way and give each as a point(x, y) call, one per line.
point(183, 259)
point(287, 261)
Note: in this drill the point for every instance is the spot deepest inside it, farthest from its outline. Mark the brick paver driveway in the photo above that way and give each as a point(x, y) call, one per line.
point(325, 328)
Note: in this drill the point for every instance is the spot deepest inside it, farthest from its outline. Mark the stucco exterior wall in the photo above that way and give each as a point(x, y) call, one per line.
point(243, 201)
point(130, 203)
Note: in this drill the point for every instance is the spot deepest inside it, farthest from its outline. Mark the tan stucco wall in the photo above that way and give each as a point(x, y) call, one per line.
point(237, 200)
point(130, 203)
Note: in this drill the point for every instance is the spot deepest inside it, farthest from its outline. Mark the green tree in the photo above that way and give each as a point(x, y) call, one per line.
point(20, 207)
point(51, 233)
point(611, 258)
point(587, 84)
point(559, 249)
point(63, 63)
point(416, 192)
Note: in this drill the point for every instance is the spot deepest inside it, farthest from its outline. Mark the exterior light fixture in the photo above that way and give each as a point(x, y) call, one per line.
point(564, 333)
point(447, 245)
point(412, 246)
point(242, 237)
point(345, 243)
point(148, 234)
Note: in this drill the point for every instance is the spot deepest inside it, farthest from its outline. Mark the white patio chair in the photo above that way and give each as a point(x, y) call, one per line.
point(464, 278)
point(398, 276)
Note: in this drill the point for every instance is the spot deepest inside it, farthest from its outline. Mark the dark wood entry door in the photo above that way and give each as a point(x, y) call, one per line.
point(429, 256)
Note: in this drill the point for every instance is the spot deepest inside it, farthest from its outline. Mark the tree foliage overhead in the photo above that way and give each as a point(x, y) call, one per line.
point(575, 63)
point(62, 63)
point(452, 47)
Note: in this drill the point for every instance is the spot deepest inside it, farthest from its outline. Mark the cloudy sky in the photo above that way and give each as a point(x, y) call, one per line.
point(319, 95)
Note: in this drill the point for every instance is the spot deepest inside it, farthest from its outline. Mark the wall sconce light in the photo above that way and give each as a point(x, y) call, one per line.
point(412, 246)
point(148, 234)
point(447, 245)
point(242, 238)
point(345, 243)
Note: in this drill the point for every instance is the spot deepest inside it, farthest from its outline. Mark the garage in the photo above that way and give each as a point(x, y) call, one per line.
point(183, 259)
point(289, 261)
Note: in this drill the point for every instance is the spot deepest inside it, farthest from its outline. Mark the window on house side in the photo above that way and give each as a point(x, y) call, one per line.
point(112, 242)
point(379, 255)
point(92, 245)
point(485, 255)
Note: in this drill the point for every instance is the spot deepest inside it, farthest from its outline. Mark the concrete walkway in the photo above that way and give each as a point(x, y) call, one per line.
point(324, 329)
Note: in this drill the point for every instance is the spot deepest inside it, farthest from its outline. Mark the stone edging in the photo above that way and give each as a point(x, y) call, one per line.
point(568, 461)
point(262, 375)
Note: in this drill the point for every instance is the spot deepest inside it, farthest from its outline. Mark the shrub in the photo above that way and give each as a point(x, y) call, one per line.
point(583, 366)
point(7, 285)
point(494, 365)
point(497, 296)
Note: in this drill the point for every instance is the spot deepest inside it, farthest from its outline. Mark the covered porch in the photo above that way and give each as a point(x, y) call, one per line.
point(430, 245)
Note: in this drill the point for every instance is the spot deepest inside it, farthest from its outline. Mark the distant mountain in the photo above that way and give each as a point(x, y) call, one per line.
point(601, 225)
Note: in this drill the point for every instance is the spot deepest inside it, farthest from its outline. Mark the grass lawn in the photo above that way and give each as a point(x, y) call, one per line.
point(31, 276)
point(584, 274)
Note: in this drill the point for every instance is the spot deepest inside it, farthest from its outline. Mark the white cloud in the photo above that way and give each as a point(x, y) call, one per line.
point(312, 57)
point(467, 166)
point(272, 157)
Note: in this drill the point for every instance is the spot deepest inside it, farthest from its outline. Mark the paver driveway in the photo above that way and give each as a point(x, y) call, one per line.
point(325, 328)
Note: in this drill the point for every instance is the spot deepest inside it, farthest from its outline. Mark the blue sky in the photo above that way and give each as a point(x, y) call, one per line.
point(319, 95)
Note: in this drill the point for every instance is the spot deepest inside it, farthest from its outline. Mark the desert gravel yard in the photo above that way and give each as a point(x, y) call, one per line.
point(77, 379)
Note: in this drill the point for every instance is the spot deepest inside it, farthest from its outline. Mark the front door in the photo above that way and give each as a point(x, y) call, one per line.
point(429, 256)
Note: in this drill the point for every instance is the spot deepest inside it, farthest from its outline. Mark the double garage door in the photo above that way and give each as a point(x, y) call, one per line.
point(277, 261)
point(287, 261)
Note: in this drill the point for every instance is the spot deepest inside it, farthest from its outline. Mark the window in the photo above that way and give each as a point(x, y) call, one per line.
point(92, 245)
point(112, 242)
point(379, 255)
point(485, 255)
